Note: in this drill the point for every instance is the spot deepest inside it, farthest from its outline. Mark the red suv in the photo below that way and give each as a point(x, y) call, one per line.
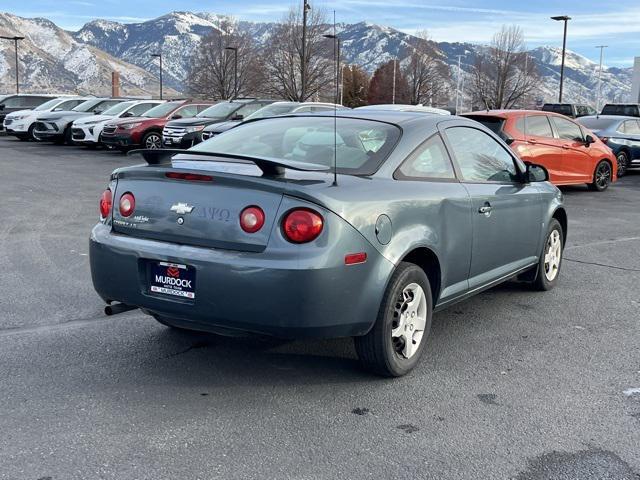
point(146, 131)
point(571, 154)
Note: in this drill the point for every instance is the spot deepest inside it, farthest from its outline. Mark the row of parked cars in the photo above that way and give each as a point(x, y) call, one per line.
point(592, 149)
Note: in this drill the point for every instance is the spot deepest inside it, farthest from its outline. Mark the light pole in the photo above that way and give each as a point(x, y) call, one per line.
point(15, 39)
point(601, 47)
point(235, 70)
point(159, 55)
point(303, 70)
point(336, 59)
point(393, 94)
point(565, 19)
point(458, 82)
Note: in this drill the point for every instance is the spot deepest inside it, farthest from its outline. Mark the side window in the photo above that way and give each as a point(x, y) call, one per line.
point(303, 110)
point(632, 127)
point(102, 106)
point(68, 105)
point(567, 130)
point(13, 102)
point(480, 157)
point(200, 108)
point(321, 109)
point(188, 111)
point(521, 125)
point(248, 109)
point(431, 160)
point(538, 126)
point(139, 109)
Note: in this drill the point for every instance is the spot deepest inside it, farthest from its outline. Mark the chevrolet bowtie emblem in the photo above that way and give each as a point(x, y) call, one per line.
point(182, 208)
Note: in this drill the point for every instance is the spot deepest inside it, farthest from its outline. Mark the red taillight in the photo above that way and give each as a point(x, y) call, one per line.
point(127, 204)
point(302, 225)
point(251, 219)
point(193, 177)
point(604, 139)
point(106, 202)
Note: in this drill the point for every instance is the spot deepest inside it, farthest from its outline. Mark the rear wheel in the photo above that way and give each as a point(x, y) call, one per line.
point(623, 163)
point(152, 140)
point(550, 258)
point(601, 177)
point(395, 343)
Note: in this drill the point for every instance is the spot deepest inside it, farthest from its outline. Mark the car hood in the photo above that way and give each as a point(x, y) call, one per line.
point(92, 119)
point(193, 122)
point(65, 114)
point(222, 126)
point(19, 113)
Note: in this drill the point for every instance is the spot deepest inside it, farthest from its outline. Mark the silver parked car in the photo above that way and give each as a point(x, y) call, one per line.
point(288, 227)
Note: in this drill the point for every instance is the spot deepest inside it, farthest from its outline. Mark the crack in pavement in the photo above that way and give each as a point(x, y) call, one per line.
point(602, 265)
point(602, 242)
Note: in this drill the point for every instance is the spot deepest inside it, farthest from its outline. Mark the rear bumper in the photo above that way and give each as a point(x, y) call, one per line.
point(265, 293)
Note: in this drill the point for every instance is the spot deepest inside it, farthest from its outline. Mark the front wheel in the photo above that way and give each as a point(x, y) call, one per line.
point(395, 343)
point(623, 163)
point(152, 140)
point(601, 177)
point(550, 258)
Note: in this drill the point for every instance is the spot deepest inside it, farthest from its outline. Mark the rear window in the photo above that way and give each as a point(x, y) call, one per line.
point(494, 124)
point(563, 109)
point(539, 126)
point(362, 145)
point(625, 110)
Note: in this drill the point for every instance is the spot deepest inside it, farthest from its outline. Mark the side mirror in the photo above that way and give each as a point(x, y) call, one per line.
point(237, 117)
point(1, 106)
point(177, 116)
point(536, 173)
point(588, 140)
point(97, 112)
point(127, 114)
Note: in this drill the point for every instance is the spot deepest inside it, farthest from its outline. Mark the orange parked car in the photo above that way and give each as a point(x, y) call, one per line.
point(571, 153)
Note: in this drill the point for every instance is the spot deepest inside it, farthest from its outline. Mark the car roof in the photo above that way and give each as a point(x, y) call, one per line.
point(396, 117)
point(510, 113)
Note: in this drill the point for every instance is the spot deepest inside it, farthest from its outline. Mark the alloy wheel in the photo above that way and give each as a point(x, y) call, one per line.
point(552, 255)
point(410, 318)
point(603, 175)
point(153, 141)
point(622, 164)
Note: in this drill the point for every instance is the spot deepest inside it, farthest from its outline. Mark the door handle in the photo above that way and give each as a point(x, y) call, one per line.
point(485, 209)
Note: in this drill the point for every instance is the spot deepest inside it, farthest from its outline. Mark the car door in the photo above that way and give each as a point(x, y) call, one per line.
point(542, 146)
point(446, 205)
point(577, 164)
point(631, 129)
point(506, 212)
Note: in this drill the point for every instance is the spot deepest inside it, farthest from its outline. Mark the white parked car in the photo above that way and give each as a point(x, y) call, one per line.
point(87, 130)
point(22, 123)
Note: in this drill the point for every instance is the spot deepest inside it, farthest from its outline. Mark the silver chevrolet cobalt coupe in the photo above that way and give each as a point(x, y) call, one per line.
point(358, 225)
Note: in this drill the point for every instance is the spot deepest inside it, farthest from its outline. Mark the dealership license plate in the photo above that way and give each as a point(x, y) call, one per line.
point(173, 279)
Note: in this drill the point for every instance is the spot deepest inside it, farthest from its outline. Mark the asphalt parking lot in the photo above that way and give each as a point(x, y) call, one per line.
point(514, 384)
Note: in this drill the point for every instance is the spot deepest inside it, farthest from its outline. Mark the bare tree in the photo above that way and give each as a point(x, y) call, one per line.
point(505, 76)
point(427, 75)
point(355, 86)
point(212, 71)
point(284, 62)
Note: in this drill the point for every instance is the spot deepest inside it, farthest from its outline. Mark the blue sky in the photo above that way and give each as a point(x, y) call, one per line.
point(616, 24)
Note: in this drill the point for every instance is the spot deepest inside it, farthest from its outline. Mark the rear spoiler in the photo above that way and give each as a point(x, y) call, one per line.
point(269, 166)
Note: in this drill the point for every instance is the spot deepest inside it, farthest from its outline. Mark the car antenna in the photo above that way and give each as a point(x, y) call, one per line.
point(335, 107)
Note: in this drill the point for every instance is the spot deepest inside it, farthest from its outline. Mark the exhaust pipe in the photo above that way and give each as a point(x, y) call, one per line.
point(118, 308)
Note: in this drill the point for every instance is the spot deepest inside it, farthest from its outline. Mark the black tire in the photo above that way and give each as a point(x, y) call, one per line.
point(623, 163)
point(542, 281)
point(30, 133)
point(152, 140)
point(601, 177)
point(377, 351)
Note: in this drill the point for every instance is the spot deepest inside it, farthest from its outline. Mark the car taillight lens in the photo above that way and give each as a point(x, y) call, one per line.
point(106, 202)
point(604, 139)
point(127, 204)
point(302, 225)
point(251, 219)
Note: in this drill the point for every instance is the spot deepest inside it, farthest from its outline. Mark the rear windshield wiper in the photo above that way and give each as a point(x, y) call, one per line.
point(269, 166)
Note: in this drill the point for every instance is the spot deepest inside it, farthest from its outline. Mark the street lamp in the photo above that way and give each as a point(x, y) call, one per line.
point(336, 59)
point(15, 43)
point(235, 70)
point(601, 47)
point(565, 19)
point(460, 57)
point(303, 71)
point(159, 55)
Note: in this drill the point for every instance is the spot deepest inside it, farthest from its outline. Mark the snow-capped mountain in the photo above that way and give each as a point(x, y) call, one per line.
point(51, 60)
point(178, 35)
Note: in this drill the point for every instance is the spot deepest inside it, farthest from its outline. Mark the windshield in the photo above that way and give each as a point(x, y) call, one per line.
point(219, 110)
point(597, 123)
point(47, 105)
point(86, 106)
point(161, 110)
point(118, 108)
point(272, 110)
point(362, 145)
point(625, 110)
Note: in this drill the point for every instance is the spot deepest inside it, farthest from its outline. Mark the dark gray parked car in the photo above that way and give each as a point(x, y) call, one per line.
point(249, 231)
